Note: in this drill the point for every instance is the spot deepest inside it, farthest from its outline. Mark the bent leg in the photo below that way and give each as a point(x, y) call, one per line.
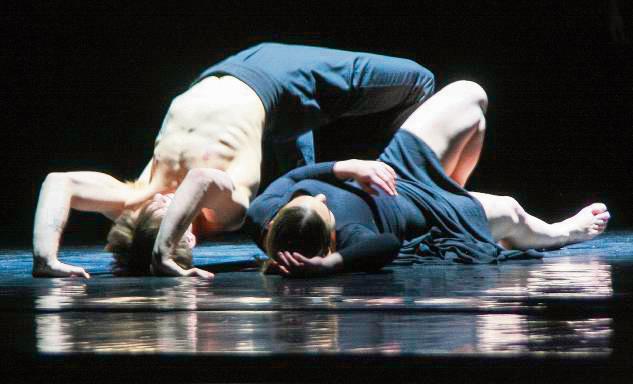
point(513, 227)
point(452, 124)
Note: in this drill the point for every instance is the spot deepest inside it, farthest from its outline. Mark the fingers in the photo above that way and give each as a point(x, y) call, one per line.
point(390, 170)
point(385, 178)
point(293, 260)
point(383, 183)
point(284, 271)
point(290, 261)
point(370, 174)
point(79, 272)
point(294, 264)
point(283, 265)
point(282, 259)
point(197, 272)
point(390, 180)
point(300, 257)
point(66, 270)
point(169, 267)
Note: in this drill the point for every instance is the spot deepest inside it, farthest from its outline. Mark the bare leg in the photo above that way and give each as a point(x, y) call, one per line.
point(452, 123)
point(513, 227)
point(470, 155)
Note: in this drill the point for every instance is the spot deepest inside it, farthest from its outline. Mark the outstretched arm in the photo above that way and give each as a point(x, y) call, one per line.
point(202, 188)
point(84, 191)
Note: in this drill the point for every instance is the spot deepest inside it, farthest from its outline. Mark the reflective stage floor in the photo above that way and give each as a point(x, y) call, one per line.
point(566, 318)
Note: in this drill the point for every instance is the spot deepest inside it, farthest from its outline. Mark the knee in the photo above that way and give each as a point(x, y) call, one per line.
point(471, 92)
point(429, 81)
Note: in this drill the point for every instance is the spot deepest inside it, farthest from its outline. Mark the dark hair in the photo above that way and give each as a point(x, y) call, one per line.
point(298, 229)
point(131, 240)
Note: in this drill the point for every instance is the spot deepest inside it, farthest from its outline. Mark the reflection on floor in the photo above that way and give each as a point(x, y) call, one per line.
point(572, 309)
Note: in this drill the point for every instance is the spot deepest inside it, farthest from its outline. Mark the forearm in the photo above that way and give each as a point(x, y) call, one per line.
point(333, 263)
point(370, 253)
point(327, 265)
point(185, 206)
point(313, 171)
point(345, 169)
point(201, 188)
point(85, 191)
point(351, 168)
point(51, 215)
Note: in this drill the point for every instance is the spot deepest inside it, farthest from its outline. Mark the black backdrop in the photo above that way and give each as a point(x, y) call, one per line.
point(86, 87)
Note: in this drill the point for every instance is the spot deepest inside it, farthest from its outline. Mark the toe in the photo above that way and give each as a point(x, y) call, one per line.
point(604, 216)
point(598, 208)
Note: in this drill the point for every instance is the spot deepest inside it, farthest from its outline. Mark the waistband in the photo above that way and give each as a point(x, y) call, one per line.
point(264, 85)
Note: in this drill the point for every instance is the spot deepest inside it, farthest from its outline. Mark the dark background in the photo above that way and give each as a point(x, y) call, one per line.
point(86, 87)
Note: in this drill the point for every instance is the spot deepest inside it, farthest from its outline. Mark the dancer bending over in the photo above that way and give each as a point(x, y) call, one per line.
point(314, 221)
point(208, 152)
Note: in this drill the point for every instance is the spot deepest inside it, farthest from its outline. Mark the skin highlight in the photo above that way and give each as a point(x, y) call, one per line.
point(212, 170)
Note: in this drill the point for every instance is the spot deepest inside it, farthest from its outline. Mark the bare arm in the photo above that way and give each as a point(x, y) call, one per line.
point(202, 188)
point(84, 191)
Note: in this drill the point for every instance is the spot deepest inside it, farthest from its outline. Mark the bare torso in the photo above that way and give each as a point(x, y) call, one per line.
point(217, 123)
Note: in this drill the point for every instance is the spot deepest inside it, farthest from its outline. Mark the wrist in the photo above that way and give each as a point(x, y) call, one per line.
point(40, 260)
point(42, 266)
point(344, 169)
point(161, 251)
point(332, 262)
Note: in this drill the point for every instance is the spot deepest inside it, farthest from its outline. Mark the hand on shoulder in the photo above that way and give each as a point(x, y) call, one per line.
point(371, 175)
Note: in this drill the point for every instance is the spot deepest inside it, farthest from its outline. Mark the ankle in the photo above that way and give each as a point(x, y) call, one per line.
point(563, 233)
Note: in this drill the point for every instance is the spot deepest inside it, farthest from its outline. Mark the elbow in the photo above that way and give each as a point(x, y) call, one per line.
point(55, 183)
point(56, 178)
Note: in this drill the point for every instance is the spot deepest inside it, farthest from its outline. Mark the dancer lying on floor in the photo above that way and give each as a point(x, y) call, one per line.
point(209, 152)
point(314, 222)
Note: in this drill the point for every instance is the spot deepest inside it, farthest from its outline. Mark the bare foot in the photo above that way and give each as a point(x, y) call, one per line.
point(586, 224)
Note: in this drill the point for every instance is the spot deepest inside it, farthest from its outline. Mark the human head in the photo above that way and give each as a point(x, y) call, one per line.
point(304, 225)
point(132, 236)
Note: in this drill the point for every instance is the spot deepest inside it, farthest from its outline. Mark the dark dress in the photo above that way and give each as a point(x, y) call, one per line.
point(431, 218)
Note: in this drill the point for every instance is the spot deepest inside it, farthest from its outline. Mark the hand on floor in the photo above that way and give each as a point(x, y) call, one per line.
point(59, 269)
